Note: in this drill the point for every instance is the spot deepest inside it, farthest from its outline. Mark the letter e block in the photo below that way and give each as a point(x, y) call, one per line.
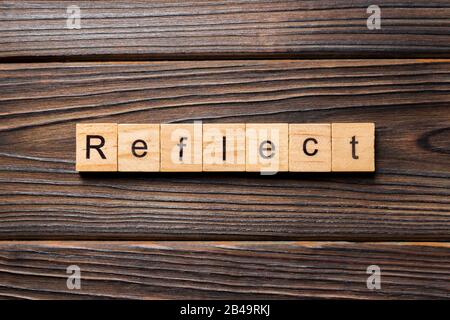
point(310, 147)
point(138, 148)
point(181, 147)
point(96, 147)
point(353, 147)
point(267, 146)
point(224, 147)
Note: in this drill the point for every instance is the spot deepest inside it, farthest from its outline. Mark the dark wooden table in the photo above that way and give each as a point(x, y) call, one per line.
point(222, 235)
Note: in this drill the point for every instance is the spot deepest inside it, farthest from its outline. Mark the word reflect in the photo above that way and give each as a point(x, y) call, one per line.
point(226, 147)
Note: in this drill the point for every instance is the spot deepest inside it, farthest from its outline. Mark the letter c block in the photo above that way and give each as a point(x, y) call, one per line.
point(310, 147)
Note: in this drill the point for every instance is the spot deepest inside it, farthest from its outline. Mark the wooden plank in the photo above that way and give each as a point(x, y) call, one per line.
point(42, 197)
point(224, 270)
point(167, 29)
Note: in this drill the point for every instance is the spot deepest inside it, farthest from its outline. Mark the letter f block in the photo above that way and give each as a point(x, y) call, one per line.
point(96, 148)
point(181, 147)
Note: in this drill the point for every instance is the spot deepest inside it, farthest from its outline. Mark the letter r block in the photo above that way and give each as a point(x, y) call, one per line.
point(96, 147)
point(353, 147)
point(138, 148)
point(310, 147)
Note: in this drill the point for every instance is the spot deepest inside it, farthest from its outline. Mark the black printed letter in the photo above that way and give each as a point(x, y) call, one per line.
point(354, 143)
point(181, 145)
point(96, 147)
point(224, 148)
point(306, 150)
point(270, 147)
point(135, 147)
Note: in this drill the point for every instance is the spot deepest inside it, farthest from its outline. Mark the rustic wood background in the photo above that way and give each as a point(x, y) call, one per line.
point(175, 29)
point(222, 235)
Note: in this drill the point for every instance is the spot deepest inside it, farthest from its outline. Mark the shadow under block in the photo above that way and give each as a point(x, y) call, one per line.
point(224, 147)
point(181, 147)
point(353, 147)
point(138, 147)
point(96, 147)
point(310, 147)
point(267, 146)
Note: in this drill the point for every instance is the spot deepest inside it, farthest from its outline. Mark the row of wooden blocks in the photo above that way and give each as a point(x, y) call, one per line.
point(254, 147)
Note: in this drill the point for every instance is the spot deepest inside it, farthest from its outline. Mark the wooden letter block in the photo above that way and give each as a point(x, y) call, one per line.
point(353, 147)
point(181, 147)
point(138, 147)
point(310, 147)
point(267, 146)
point(224, 147)
point(96, 147)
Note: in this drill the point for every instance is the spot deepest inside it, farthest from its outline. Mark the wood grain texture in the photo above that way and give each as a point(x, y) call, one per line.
point(33, 30)
point(42, 197)
point(224, 270)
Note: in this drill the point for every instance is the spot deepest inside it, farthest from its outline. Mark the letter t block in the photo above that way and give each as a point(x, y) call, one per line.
point(353, 147)
point(96, 148)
